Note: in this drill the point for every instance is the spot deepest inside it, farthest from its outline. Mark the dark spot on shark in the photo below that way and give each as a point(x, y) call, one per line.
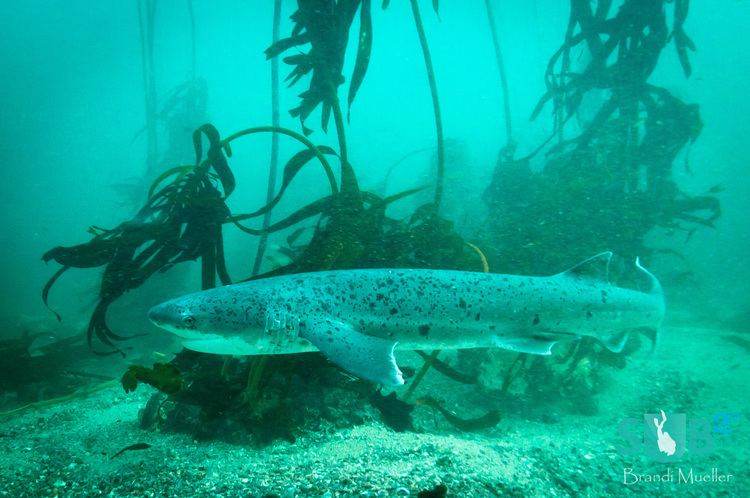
point(604, 296)
point(589, 314)
point(424, 330)
point(477, 317)
point(536, 320)
point(462, 304)
point(393, 311)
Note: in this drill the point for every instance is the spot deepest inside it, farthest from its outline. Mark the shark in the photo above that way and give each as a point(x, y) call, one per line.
point(358, 318)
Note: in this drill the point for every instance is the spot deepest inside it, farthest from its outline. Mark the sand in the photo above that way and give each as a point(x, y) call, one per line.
point(66, 449)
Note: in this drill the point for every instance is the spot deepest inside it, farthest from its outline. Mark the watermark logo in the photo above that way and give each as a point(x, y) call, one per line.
point(664, 441)
point(666, 437)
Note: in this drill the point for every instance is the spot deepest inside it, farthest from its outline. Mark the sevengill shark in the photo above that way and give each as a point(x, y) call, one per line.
point(357, 317)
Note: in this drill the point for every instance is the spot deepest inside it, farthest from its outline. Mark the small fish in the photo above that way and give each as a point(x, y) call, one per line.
point(136, 446)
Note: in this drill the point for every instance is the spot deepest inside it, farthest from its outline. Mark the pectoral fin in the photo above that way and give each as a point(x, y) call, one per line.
point(364, 356)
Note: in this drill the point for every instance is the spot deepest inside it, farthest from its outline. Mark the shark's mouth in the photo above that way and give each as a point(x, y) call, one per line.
point(217, 344)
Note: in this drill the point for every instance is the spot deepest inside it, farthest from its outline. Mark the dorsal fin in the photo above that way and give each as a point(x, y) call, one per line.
point(594, 268)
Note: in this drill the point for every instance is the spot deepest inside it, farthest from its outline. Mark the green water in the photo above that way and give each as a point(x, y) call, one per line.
point(506, 137)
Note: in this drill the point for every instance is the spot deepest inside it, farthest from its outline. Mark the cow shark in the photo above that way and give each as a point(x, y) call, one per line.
point(357, 318)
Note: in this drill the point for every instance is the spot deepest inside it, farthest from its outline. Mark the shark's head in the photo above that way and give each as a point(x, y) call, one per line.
point(227, 321)
point(181, 318)
point(208, 322)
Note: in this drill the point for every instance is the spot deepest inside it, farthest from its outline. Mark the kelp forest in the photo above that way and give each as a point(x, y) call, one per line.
point(602, 180)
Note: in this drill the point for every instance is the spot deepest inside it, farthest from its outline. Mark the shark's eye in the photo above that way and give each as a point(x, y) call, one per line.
point(188, 321)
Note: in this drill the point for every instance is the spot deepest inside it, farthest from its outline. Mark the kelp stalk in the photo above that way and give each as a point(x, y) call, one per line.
point(501, 69)
point(435, 104)
point(421, 373)
point(347, 176)
point(297, 136)
point(146, 25)
point(275, 120)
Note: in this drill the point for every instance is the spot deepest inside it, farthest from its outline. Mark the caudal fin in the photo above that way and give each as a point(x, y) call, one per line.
point(658, 293)
point(655, 285)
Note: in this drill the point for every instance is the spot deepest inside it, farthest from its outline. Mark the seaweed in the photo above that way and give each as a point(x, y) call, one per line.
point(325, 25)
point(395, 412)
point(502, 73)
point(165, 377)
point(618, 166)
point(571, 380)
point(432, 82)
point(486, 421)
point(447, 370)
point(275, 121)
point(435, 101)
point(179, 222)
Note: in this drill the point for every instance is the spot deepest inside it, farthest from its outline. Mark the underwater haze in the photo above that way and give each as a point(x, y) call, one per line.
point(540, 205)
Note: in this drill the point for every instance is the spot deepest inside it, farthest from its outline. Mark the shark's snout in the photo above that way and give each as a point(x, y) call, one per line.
point(176, 318)
point(166, 315)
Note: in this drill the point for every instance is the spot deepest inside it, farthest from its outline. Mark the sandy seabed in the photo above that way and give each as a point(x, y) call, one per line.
point(66, 449)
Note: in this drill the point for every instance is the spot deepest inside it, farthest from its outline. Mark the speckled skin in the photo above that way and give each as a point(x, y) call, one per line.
point(416, 309)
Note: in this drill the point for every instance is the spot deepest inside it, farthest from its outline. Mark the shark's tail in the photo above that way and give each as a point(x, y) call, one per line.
point(656, 289)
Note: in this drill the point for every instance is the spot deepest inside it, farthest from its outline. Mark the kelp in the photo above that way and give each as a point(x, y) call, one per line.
point(325, 25)
point(395, 412)
point(619, 165)
point(165, 377)
point(275, 121)
point(486, 421)
point(440, 139)
point(633, 40)
point(447, 370)
point(570, 379)
point(183, 218)
point(181, 221)
point(502, 73)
